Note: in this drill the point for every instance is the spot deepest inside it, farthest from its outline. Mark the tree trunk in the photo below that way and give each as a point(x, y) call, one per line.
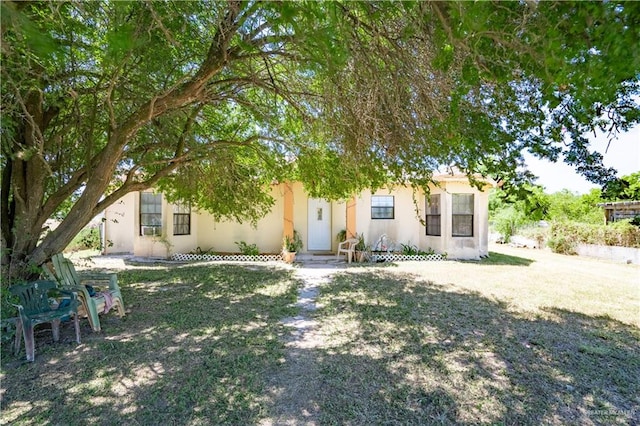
point(25, 206)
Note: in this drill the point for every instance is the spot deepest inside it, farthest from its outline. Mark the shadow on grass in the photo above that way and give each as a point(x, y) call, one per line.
point(398, 351)
point(193, 349)
point(205, 345)
point(504, 259)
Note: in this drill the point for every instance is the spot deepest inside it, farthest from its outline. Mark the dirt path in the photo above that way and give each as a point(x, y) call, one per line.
point(294, 390)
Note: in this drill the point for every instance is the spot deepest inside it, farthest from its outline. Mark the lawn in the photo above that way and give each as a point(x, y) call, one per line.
point(525, 337)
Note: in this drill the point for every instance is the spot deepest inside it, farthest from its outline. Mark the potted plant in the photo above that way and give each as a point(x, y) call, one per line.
point(361, 249)
point(290, 246)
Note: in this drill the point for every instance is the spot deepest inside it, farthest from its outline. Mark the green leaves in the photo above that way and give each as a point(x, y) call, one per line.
point(19, 30)
point(340, 95)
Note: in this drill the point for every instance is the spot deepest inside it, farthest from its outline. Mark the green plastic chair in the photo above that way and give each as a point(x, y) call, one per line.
point(35, 308)
point(64, 273)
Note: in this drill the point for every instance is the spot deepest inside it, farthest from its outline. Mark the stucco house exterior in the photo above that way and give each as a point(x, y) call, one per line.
point(452, 219)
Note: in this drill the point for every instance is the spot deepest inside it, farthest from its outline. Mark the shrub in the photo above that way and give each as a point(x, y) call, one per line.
point(562, 244)
point(506, 221)
point(429, 252)
point(565, 236)
point(537, 233)
point(247, 249)
point(199, 250)
point(87, 239)
point(409, 250)
point(623, 233)
point(292, 245)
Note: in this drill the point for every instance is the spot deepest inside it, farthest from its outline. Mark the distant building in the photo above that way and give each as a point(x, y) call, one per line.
point(620, 210)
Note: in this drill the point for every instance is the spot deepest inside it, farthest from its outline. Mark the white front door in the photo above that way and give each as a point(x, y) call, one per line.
point(319, 225)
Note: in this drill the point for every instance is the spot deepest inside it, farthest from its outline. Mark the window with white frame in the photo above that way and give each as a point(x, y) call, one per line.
point(150, 214)
point(462, 215)
point(433, 215)
point(382, 207)
point(182, 219)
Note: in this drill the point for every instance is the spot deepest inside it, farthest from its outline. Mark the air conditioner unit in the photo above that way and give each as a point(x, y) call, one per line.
point(151, 231)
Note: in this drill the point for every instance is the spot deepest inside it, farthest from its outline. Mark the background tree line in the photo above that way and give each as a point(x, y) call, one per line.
point(568, 218)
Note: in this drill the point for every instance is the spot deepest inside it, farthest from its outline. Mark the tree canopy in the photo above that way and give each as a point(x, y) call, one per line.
point(214, 101)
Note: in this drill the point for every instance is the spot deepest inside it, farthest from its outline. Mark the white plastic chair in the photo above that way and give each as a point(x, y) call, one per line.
point(348, 247)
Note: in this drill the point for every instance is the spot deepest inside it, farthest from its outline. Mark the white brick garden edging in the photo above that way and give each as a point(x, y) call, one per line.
point(393, 257)
point(383, 257)
point(188, 257)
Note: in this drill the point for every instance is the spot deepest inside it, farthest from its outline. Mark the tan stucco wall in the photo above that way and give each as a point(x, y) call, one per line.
point(403, 228)
point(220, 236)
point(182, 243)
point(120, 225)
point(287, 190)
point(462, 247)
point(406, 227)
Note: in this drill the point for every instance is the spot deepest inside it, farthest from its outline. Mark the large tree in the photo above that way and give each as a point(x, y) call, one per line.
point(213, 101)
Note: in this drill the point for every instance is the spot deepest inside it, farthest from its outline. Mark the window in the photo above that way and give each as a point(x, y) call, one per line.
point(433, 215)
point(150, 214)
point(182, 219)
point(462, 215)
point(382, 207)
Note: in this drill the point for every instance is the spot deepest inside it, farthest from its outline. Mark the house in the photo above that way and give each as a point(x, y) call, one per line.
point(452, 219)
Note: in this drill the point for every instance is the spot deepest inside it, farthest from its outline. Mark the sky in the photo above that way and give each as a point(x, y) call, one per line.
point(623, 154)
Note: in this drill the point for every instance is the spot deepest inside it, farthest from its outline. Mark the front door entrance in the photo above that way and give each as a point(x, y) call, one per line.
point(319, 224)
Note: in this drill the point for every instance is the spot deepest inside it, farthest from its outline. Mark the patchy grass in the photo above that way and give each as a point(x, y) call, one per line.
point(524, 337)
point(193, 349)
point(464, 343)
point(538, 281)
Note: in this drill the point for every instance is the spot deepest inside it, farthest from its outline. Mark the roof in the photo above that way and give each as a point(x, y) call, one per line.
point(461, 177)
point(620, 205)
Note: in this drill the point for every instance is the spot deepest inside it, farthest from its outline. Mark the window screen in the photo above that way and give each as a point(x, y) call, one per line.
point(182, 219)
point(150, 214)
point(462, 215)
point(433, 215)
point(382, 207)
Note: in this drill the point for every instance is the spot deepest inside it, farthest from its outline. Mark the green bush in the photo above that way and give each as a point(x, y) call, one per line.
point(567, 206)
point(562, 244)
point(409, 250)
point(292, 245)
point(87, 239)
point(565, 236)
point(507, 220)
point(7, 310)
point(623, 233)
point(247, 249)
